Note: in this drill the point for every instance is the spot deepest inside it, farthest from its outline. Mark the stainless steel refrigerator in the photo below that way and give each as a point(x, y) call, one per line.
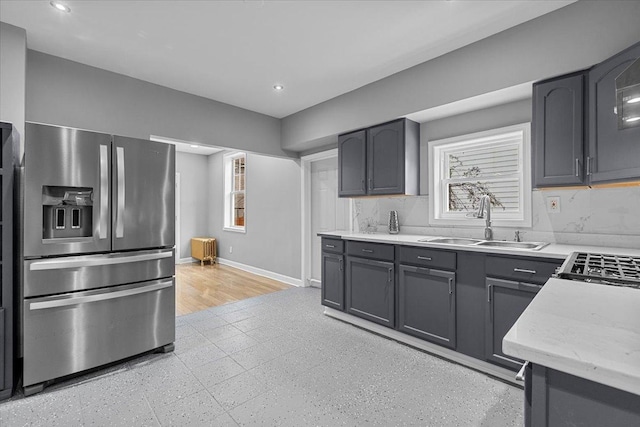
point(98, 251)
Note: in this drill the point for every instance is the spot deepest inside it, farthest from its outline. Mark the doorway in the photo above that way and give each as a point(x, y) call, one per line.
point(322, 211)
point(178, 245)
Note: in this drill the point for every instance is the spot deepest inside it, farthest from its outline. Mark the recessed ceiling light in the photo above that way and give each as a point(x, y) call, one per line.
point(278, 87)
point(61, 6)
point(634, 100)
point(194, 146)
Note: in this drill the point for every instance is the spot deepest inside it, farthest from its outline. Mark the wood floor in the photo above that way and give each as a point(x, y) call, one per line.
point(200, 287)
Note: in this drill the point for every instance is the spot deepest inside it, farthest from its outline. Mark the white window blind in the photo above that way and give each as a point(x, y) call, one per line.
point(466, 168)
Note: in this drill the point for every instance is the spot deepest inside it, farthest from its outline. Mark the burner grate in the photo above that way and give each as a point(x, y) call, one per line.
point(603, 268)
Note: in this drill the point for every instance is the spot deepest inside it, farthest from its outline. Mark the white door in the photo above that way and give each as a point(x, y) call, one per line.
point(327, 211)
point(178, 243)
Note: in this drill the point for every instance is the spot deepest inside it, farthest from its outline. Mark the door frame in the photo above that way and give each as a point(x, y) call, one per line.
point(177, 218)
point(307, 239)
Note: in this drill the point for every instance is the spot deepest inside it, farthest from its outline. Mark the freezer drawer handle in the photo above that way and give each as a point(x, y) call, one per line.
point(104, 192)
point(97, 261)
point(120, 198)
point(64, 302)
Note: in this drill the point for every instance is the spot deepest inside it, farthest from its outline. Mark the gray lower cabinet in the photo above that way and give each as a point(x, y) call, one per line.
point(427, 304)
point(333, 280)
point(370, 289)
point(506, 301)
point(555, 398)
point(614, 153)
point(558, 131)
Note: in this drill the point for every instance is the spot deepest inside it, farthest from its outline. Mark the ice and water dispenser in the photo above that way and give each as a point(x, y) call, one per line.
point(67, 212)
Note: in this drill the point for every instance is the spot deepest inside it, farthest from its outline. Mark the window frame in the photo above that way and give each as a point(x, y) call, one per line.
point(438, 216)
point(229, 192)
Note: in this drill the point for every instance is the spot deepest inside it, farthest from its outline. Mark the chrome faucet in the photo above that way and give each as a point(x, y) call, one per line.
point(485, 205)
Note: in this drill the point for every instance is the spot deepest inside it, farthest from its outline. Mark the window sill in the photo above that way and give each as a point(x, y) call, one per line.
point(235, 229)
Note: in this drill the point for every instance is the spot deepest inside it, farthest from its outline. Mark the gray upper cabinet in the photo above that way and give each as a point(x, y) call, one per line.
point(614, 153)
point(381, 160)
point(352, 159)
point(558, 131)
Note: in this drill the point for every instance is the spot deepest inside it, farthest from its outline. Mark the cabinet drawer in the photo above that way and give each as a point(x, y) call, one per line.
point(521, 269)
point(425, 257)
point(371, 250)
point(332, 245)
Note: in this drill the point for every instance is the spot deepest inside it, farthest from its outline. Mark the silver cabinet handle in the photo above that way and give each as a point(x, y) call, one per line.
point(390, 273)
point(370, 183)
point(577, 166)
point(524, 270)
point(363, 186)
point(450, 286)
point(329, 246)
point(120, 198)
point(369, 251)
point(489, 293)
point(588, 166)
point(64, 302)
point(95, 261)
point(104, 192)
point(340, 267)
point(424, 258)
point(520, 374)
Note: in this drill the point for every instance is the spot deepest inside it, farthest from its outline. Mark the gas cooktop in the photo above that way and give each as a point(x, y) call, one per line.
point(618, 270)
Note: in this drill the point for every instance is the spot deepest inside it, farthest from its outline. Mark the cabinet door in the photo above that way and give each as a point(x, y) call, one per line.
point(558, 131)
point(352, 164)
point(615, 153)
point(333, 280)
point(370, 290)
point(506, 301)
point(385, 158)
point(427, 304)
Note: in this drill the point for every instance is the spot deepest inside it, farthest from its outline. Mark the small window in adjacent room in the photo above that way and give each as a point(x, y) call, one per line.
point(235, 165)
point(464, 168)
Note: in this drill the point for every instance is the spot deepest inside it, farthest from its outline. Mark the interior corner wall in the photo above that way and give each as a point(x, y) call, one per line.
point(194, 200)
point(273, 219)
point(67, 93)
point(13, 52)
point(574, 37)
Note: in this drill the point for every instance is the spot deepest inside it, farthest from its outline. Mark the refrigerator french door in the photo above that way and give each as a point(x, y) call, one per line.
point(98, 267)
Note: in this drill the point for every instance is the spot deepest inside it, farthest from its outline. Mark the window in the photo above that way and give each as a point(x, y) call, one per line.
point(464, 168)
point(235, 192)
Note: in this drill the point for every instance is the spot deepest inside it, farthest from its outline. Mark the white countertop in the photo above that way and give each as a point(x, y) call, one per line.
point(553, 250)
point(587, 330)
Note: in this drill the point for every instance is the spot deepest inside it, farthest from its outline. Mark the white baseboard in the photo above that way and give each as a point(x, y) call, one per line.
point(315, 283)
point(186, 260)
point(260, 272)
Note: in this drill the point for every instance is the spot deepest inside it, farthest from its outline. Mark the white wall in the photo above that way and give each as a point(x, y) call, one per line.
point(68, 93)
point(13, 53)
point(272, 238)
point(194, 200)
point(571, 38)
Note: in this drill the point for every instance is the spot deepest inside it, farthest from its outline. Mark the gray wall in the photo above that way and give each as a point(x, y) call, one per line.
point(68, 93)
point(572, 38)
point(13, 52)
point(273, 236)
point(194, 200)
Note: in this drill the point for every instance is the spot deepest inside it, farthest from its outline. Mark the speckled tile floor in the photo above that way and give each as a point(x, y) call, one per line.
point(274, 360)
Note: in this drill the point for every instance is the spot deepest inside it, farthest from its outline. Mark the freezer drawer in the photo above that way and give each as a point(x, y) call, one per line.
point(69, 333)
point(68, 274)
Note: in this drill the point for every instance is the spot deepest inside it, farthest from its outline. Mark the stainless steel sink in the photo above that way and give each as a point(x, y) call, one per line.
point(533, 246)
point(455, 241)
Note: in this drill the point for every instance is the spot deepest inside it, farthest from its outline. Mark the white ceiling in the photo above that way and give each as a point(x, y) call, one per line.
point(191, 147)
point(235, 51)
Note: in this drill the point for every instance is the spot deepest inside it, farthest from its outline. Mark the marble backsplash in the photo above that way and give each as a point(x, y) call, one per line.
point(596, 216)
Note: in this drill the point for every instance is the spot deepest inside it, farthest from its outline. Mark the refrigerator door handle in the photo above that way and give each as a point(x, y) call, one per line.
point(65, 301)
point(120, 198)
point(93, 261)
point(104, 192)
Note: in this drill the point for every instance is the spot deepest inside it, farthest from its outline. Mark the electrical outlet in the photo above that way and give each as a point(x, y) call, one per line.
point(553, 204)
point(230, 249)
